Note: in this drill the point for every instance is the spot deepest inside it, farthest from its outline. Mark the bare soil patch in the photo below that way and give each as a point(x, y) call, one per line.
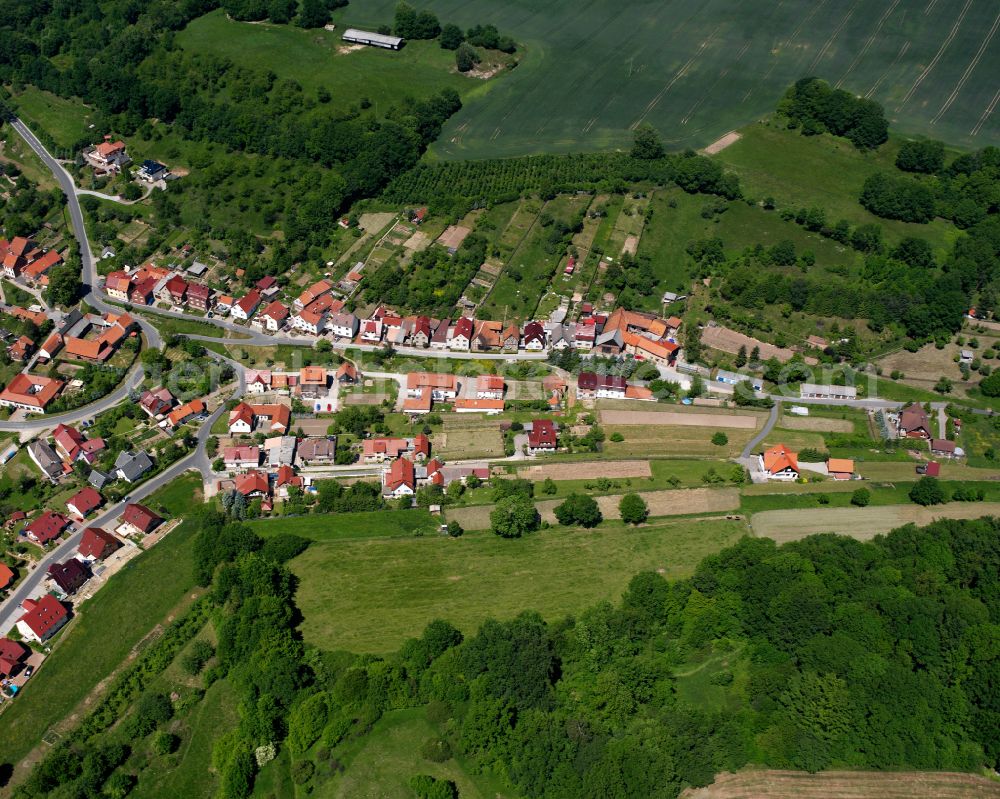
point(372, 223)
point(764, 784)
point(721, 144)
point(816, 424)
point(722, 338)
point(861, 523)
point(613, 470)
point(679, 419)
point(631, 245)
point(344, 49)
point(453, 236)
point(313, 427)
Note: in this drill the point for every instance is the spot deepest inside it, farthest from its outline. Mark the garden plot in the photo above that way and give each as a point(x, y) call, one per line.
point(613, 470)
point(712, 420)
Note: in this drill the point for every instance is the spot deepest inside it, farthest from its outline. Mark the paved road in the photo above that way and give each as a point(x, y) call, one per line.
point(769, 423)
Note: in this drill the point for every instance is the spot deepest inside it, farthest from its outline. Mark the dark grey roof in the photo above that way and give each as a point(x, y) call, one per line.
point(98, 479)
point(46, 458)
point(133, 465)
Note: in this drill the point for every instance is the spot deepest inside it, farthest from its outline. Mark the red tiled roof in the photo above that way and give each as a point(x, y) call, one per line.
point(400, 473)
point(47, 527)
point(44, 615)
point(85, 500)
point(97, 543)
point(141, 517)
point(543, 434)
point(28, 389)
point(252, 482)
point(778, 458)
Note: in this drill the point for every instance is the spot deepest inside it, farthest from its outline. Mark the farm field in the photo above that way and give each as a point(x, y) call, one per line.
point(405, 583)
point(682, 441)
point(698, 70)
point(765, 784)
point(860, 523)
point(680, 419)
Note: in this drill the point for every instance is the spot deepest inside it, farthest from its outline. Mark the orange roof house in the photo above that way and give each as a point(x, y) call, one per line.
point(780, 463)
point(840, 468)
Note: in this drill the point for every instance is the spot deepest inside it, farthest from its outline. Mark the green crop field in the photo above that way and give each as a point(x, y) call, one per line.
point(696, 70)
point(371, 595)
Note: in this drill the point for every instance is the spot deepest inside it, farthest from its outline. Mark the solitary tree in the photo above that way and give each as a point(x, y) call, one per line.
point(513, 517)
point(861, 497)
point(646, 143)
point(720, 439)
point(741, 357)
point(579, 509)
point(633, 509)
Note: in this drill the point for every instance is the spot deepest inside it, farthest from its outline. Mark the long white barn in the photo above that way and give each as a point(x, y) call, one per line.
point(355, 36)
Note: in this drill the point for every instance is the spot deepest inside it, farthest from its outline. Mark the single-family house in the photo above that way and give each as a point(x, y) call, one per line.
point(779, 463)
point(469, 405)
point(223, 305)
point(141, 291)
point(914, 422)
point(12, 656)
point(461, 335)
point(253, 485)
point(43, 618)
point(117, 285)
point(399, 480)
point(441, 387)
point(943, 447)
point(313, 382)
point(131, 466)
point(241, 457)
point(312, 293)
point(177, 288)
point(440, 334)
point(84, 502)
point(510, 338)
point(21, 349)
point(111, 155)
point(533, 339)
point(379, 450)
point(156, 402)
point(317, 451)
point(46, 527)
point(68, 576)
point(347, 374)
point(97, 544)
point(152, 171)
point(273, 316)
point(51, 346)
point(422, 332)
point(543, 436)
point(138, 518)
point(241, 420)
point(371, 331)
point(594, 386)
point(258, 381)
point(46, 459)
point(267, 286)
point(246, 306)
point(185, 413)
point(343, 325)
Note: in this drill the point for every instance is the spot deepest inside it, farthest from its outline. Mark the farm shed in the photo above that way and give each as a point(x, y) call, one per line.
point(356, 36)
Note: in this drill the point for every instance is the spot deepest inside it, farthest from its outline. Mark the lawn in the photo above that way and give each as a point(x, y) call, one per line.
point(108, 627)
point(672, 440)
point(822, 171)
point(697, 70)
point(311, 58)
point(66, 121)
point(405, 583)
point(328, 527)
point(171, 326)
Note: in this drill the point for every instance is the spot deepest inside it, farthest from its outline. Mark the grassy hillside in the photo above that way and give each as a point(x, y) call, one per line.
point(696, 70)
point(370, 595)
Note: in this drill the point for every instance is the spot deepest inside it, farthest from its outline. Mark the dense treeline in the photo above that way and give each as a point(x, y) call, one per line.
point(812, 105)
point(837, 653)
point(456, 186)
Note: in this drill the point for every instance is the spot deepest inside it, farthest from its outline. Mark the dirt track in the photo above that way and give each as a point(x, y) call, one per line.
point(680, 419)
point(765, 784)
point(860, 523)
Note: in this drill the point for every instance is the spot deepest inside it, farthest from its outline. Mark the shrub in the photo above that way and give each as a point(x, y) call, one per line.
point(438, 711)
point(633, 509)
point(194, 661)
point(927, 491)
point(437, 750)
point(302, 771)
point(164, 742)
point(720, 439)
point(861, 497)
point(616, 437)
